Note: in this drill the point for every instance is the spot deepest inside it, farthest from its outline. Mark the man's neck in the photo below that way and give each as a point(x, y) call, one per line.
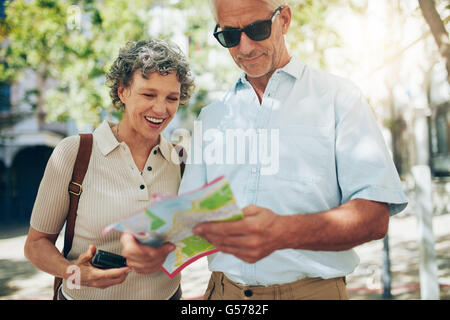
point(260, 84)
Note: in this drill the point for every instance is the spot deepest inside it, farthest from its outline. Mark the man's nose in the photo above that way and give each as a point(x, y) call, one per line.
point(246, 45)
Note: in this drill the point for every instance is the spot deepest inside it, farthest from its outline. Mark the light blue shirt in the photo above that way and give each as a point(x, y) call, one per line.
point(329, 151)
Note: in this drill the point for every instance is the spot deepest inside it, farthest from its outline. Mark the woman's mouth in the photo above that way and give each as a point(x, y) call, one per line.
point(154, 122)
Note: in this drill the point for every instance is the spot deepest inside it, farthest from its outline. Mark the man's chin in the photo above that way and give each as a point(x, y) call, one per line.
point(252, 74)
point(256, 71)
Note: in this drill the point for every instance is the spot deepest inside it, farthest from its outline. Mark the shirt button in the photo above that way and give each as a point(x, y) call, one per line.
point(155, 152)
point(149, 168)
point(248, 293)
point(142, 187)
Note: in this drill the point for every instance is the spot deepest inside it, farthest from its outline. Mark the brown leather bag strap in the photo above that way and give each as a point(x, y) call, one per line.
point(75, 190)
point(75, 187)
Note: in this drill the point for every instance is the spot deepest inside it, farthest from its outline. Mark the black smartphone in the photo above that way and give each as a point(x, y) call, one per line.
point(107, 260)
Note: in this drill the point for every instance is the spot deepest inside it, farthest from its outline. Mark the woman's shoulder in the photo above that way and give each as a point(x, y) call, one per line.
point(68, 144)
point(66, 150)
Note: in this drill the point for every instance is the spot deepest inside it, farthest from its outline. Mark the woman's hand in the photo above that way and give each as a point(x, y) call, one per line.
point(142, 258)
point(99, 278)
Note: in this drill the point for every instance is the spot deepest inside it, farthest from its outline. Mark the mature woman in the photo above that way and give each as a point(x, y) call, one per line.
point(130, 161)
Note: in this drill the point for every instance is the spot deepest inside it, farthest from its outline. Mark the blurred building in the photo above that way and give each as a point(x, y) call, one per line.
point(25, 146)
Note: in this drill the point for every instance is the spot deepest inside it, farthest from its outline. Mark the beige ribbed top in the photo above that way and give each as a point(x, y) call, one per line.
point(112, 188)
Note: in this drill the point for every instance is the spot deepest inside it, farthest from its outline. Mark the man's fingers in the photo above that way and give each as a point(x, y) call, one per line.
point(220, 228)
point(249, 256)
point(250, 210)
point(234, 241)
point(229, 228)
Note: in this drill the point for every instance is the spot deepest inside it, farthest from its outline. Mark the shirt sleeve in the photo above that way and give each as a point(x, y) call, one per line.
point(52, 200)
point(365, 167)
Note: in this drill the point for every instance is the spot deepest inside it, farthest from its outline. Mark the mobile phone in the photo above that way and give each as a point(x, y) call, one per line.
point(107, 260)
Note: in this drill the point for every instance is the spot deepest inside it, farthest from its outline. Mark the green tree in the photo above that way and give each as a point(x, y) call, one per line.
point(69, 45)
point(437, 27)
point(216, 70)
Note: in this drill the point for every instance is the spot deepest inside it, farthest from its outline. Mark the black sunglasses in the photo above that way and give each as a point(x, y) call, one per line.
point(257, 31)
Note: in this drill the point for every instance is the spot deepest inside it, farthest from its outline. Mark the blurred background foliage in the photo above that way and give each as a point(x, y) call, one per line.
point(71, 44)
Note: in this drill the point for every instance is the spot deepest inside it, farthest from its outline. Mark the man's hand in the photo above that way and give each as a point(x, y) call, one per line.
point(261, 232)
point(141, 258)
point(249, 239)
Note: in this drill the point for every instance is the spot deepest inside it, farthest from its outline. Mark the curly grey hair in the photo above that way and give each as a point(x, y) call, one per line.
point(149, 56)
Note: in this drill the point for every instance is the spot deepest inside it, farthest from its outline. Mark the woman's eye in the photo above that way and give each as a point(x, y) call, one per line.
point(172, 99)
point(148, 95)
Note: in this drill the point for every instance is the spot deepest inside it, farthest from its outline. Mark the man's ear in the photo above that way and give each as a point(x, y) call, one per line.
point(286, 16)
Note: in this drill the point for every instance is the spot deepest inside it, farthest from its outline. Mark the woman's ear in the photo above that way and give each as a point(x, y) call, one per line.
point(121, 93)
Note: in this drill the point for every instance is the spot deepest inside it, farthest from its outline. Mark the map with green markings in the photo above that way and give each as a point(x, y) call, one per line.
point(172, 219)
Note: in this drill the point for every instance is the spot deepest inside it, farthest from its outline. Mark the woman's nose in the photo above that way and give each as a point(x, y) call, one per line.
point(159, 107)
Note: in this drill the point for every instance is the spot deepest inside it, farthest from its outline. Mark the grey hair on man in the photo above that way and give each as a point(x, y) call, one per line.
point(272, 5)
point(149, 56)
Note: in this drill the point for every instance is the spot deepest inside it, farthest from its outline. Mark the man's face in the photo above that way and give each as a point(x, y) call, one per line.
point(256, 58)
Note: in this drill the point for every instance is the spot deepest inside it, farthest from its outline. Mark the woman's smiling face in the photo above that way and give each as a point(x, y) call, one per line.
point(150, 104)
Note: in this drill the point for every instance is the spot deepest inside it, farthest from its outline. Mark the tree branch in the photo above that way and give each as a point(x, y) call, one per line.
point(438, 30)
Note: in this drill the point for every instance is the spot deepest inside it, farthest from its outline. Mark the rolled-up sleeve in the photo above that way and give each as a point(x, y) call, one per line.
point(365, 167)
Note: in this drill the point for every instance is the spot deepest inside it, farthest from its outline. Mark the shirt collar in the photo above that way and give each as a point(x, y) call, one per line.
point(165, 147)
point(294, 68)
point(107, 141)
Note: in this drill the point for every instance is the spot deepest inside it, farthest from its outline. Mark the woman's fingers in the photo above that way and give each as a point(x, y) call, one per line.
point(105, 278)
point(88, 255)
point(143, 258)
point(99, 278)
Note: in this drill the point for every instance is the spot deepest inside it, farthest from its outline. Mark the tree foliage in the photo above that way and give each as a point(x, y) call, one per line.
point(69, 46)
point(437, 27)
point(71, 50)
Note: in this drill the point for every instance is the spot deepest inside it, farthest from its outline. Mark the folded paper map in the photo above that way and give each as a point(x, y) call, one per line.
point(171, 219)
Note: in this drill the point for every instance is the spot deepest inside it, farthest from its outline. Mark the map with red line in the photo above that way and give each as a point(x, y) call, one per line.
point(171, 219)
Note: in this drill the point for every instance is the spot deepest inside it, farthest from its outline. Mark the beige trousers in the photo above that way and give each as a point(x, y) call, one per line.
point(222, 288)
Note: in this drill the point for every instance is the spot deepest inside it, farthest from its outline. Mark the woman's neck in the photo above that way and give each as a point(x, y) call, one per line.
point(139, 145)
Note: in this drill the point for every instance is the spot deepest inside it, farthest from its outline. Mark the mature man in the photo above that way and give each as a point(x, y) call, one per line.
point(334, 188)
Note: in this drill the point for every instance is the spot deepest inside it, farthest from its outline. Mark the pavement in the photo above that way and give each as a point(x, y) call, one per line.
point(19, 280)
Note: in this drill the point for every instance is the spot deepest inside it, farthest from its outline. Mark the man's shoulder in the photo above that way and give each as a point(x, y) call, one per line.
point(344, 91)
point(330, 80)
